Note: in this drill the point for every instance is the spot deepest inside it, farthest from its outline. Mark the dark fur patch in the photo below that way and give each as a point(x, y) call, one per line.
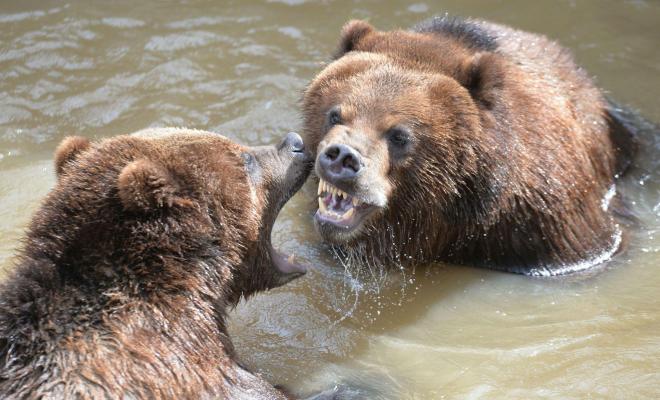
point(621, 122)
point(468, 32)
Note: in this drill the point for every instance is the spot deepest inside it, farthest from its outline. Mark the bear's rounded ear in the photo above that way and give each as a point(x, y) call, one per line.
point(144, 185)
point(354, 31)
point(483, 76)
point(67, 151)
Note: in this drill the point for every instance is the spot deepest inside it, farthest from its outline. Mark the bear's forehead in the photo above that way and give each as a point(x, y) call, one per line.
point(178, 138)
point(380, 98)
point(162, 133)
point(378, 86)
point(376, 67)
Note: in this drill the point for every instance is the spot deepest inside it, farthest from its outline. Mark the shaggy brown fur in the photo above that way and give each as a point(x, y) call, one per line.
point(132, 260)
point(478, 144)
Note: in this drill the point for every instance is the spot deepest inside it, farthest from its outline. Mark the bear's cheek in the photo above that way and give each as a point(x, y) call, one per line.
point(381, 176)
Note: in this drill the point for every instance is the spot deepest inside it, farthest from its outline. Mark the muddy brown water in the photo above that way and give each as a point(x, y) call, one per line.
point(104, 68)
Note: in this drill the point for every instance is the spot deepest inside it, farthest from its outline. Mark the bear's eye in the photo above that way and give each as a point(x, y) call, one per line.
point(252, 167)
point(334, 116)
point(250, 162)
point(398, 137)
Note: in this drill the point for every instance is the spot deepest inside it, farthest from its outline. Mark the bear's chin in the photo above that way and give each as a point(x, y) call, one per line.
point(337, 230)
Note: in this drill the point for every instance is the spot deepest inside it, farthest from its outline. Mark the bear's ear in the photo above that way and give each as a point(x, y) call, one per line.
point(483, 76)
point(354, 31)
point(67, 151)
point(144, 185)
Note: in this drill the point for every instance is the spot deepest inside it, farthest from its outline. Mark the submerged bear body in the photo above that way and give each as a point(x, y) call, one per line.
point(130, 264)
point(467, 142)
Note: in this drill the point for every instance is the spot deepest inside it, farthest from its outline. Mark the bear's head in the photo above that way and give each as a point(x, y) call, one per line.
point(170, 210)
point(395, 125)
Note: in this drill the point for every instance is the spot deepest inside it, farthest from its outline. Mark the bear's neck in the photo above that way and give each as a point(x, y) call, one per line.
point(160, 333)
point(190, 296)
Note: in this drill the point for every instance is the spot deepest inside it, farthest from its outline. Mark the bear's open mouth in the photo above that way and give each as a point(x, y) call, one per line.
point(288, 267)
point(339, 208)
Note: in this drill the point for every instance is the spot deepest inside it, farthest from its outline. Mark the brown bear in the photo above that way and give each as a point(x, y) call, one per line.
point(467, 142)
point(130, 264)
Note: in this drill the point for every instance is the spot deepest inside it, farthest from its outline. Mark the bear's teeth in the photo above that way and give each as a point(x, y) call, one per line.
point(291, 258)
point(349, 213)
point(322, 207)
point(336, 193)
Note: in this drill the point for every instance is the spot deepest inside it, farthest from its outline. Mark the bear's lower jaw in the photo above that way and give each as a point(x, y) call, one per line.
point(340, 215)
point(339, 228)
point(288, 268)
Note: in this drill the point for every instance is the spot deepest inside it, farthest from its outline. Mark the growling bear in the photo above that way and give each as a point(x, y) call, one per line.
point(467, 142)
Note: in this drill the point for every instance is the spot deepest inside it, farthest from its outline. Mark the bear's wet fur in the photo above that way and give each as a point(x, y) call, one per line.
point(129, 266)
point(510, 152)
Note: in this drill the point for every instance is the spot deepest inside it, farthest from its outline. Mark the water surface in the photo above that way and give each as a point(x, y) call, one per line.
point(100, 69)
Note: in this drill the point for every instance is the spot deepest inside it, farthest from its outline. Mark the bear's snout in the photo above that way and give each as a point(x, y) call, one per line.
point(293, 142)
point(340, 162)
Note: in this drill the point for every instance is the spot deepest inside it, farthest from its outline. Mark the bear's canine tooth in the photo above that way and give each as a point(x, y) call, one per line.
point(320, 188)
point(355, 202)
point(349, 213)
point(291, 258)
point(322, 206)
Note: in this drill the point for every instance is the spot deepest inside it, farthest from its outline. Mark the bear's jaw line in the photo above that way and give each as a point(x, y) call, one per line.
point(338, 207)
point(286, 266)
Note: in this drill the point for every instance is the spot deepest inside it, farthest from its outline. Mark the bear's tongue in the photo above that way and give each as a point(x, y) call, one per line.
point(338, 204)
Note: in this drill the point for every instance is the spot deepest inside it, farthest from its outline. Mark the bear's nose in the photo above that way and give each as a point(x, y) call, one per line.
point(293, 141)
point(341, 162)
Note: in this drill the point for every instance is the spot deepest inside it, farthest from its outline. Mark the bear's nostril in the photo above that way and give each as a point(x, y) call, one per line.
point(332, 153)
point(350, 162)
